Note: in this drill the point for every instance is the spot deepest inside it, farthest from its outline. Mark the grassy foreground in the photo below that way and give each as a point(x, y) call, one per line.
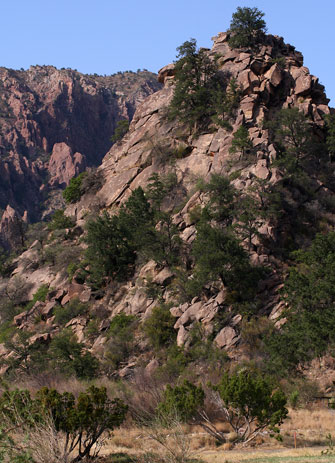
point(310, 455)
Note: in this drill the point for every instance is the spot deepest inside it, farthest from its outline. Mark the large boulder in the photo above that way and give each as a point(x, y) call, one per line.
point(64, 164)
point(12, 229)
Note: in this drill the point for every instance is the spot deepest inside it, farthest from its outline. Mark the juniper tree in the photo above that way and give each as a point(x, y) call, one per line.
point(247, 27)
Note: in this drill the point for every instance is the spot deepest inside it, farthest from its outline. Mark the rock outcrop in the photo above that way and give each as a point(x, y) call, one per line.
point(12, 228)
point(63, 164)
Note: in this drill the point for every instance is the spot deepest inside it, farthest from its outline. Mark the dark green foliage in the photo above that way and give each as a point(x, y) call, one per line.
point(292, 136)
point(68, 356)
point(223, 222)
point(72, 309)
point(136, 218)
point(110, 251)
point(247, 27)
point(222, 202)
point(241, 142)
point(114, 242)
point(60, 221)
point(159, 327)
point(218, 255)
point(27, 358)
point(181, 401)
point(225, 101)
point(163, 244)
point(310, 295)
point(73, 191)
point(120, 324)
point(121, 341)
point(40, 295)
point(249, 218)
point(252, 401)
point(196, 79)
point(121, 129)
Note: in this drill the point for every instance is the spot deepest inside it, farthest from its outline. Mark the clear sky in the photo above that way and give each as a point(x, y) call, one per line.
point(106, 36)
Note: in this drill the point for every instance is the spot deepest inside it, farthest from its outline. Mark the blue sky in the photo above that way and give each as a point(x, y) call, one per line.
point(106, 36)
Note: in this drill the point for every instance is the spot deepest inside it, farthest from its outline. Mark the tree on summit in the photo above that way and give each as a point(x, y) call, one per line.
point(195, 82)
point(247, 27)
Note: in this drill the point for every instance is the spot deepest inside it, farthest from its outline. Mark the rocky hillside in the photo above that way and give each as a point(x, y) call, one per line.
point(55, 123)
point(290, 206)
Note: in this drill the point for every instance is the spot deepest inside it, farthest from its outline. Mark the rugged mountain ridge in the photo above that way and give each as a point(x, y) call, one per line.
point(54, 123)
point(270, 79)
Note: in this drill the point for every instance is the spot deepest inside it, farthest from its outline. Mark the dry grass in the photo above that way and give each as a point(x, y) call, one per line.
point(311, 427)
point(267, 456)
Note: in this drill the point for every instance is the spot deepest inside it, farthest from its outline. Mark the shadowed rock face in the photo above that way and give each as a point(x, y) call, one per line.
point(45, 110)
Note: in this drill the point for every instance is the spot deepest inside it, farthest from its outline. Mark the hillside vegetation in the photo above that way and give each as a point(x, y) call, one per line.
point(189, 279)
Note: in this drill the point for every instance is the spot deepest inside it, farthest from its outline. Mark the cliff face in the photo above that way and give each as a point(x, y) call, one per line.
point(270, 79)
point(51, 120)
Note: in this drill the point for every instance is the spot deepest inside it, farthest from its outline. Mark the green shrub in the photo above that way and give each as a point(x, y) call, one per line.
point(183, 401)
point(73, 192)
point(120, 342)
point(71, 269)
point(68, 356)
point(7, 331)
point(121, 129)
point(120, 324)
point(60, 221)
point(241, 142)
point(71, 310)
point(92, 329)
point(114, 241)
point(158, 327)
point(40, 295)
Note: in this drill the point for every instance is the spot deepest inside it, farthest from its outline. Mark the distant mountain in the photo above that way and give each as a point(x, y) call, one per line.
point(55, 121)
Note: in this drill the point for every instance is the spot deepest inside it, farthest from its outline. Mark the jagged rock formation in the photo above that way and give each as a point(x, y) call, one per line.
point(270, 79)
point(47, 111)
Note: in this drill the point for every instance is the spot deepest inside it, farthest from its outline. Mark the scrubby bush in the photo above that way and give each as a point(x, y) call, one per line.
point(73, 191)
point(60, 221)
point(92, 181)
point(79, 424)
point(110, 251)
point(158, 327)
point(121, 129)
point(183, 401)
point(68, 356)
point(121, 341)
point(241, 142)
point(40, 295)
point(72, 309)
